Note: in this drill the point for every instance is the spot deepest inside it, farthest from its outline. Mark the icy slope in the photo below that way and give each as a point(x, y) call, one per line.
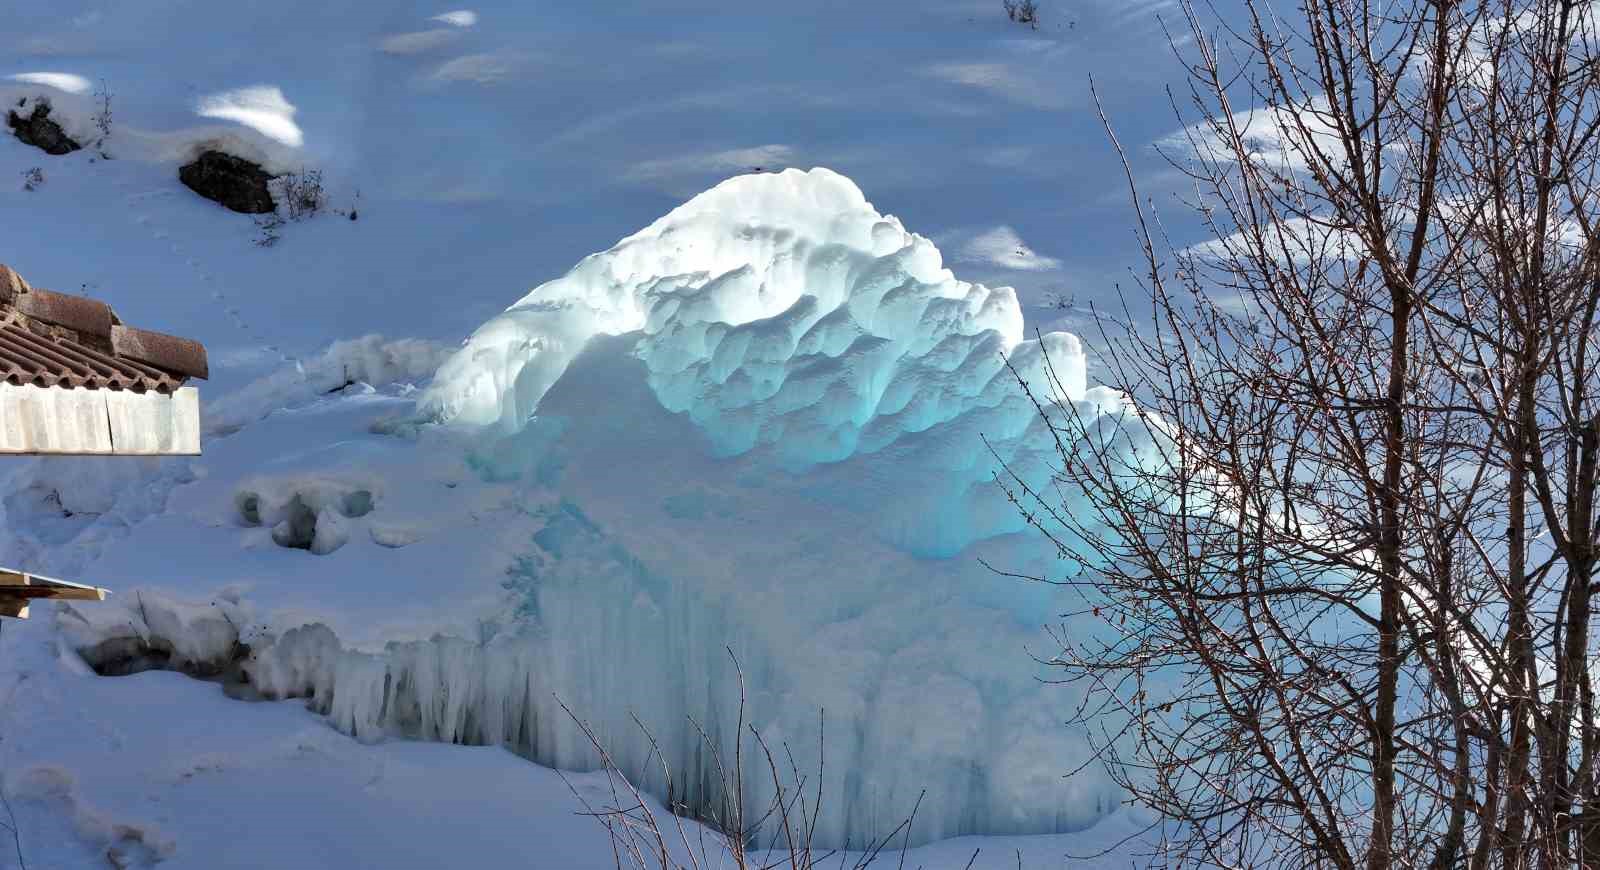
point(764, 420)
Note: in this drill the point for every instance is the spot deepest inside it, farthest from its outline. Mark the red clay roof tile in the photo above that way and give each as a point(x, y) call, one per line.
point(54, 340)
point(169, 352)
point(87, 316)
point(10, 284)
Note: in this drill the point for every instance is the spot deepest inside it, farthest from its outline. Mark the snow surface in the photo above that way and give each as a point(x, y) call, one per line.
point(486, 148)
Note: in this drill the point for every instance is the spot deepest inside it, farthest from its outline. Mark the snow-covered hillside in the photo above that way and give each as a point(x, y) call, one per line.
point(755, 424)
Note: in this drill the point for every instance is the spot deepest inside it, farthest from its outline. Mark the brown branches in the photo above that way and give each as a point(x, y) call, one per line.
point(1338, 555)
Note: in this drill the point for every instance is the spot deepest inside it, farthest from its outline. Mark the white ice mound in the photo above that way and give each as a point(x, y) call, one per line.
point(770, 423)
point(774, 308)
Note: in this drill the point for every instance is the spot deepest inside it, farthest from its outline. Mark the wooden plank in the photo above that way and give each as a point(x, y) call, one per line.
point(37, 580)
point(61, 593)
point(13, 581)
point(68, 593)
point(18, 588)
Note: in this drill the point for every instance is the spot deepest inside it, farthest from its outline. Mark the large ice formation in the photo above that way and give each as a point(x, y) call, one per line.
point(769, 422)
point(775, 308)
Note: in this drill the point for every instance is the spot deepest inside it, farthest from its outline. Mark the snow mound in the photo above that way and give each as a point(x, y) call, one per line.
point(307, 514)
point(371, 359)
point(261, 108)
point(773, 308)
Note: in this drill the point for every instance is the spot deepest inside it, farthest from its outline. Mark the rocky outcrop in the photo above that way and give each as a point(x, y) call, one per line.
point(38, 129)
point(233, 182)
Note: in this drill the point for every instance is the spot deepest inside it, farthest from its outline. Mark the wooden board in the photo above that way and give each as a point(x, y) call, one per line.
point(17, 589)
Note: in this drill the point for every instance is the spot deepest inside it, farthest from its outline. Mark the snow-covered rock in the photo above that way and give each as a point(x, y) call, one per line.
point(394, 535)
point(145, 630)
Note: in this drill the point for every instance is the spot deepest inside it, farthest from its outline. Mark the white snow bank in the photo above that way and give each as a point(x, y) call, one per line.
point(155, 757)
point(312, 512)
point(69, 83)
point(371, 359)
point(262, 108)
point(1001, 246)
point(458, 18)
point(445, 689)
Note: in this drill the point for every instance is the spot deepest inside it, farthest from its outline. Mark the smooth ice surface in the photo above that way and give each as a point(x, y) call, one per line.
point(770, 421)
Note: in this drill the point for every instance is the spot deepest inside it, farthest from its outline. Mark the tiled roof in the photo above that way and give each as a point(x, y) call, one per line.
point(54, 340)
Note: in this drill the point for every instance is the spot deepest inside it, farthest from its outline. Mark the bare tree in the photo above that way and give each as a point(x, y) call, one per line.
point(1340, 550)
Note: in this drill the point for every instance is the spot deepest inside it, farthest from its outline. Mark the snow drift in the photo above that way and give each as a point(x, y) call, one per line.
point(767, 423)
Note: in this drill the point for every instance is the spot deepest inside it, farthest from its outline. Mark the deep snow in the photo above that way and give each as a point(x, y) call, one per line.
point(485, 150)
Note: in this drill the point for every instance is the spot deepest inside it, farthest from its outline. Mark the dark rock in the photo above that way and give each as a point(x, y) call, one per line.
point(39, 131)
point(233, 182)
point(127, 655)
